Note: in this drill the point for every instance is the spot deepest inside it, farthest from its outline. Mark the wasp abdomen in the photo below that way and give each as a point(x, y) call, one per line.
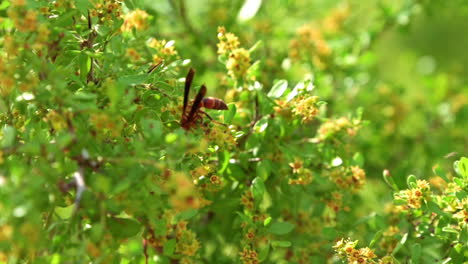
point(213, 103)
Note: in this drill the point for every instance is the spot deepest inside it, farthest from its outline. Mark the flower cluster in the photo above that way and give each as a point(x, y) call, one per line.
point(221, 136)
point(204, 177)
point(353, 177)
point(238, 63)
point(336, 202)
point(300, 174)
point(332, 127)
point(133, 54)
point(346, 249)
point(238, 59)
point(249, 256)
point(304, 222)
point(186, 246)
point(334, 21)
point(184, 194)
point(106, 10)
point(136, 19)
point(228, 42)
point(461, 213)
point(305, 107)
point(456, 206)
point(282, 108)
point(247, 200)
point(310, 43)
point(187, 243)
point(27, 21)
point(106, 125)
point(416, 195)
point(165, 50)
point(57, 121)
point(389, 239)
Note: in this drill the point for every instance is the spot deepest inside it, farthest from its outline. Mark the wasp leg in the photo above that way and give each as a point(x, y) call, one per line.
point(211, 119)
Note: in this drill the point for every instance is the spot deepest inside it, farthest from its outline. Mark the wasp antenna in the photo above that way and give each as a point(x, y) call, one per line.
point(154, 67)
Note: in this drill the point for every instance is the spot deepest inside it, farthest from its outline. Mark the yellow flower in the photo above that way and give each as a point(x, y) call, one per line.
point(133, 54)
point(136, 19)
point(227, 41)
point(423, 185)
point(238, 63)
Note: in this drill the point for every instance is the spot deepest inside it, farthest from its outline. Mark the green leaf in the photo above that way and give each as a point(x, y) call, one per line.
point(9, 136)
point(63, 139)
point(169, 247)
point(411, 181)
point(230, 113)
point(263, 253)
point(64, 212)
point(267, 221)
point(461, 195)
point(398, 201)
point(160, 227)
point(248, 10)
point(255, 71)
point(122, 228)
point(280, 228)
point(416, 253)
point(83, 6)
point(101, 183)
point(186, 215)
point(133, 79)
point(433, 207)
point(255, 46)
point(130, 4)
point(152, 129)
point(376, 238)
point(280, 243)
point(263, 169)
point(437, 170)
point(261, 125)
point(329, 233)
point(278, 89)
point(449, 229)
point(225, 156)
point(84, 62)
point(222, 58)
point(258, 189)
point(400, 244)
point(358, 159)
point(463, 237)
point(171, 138)
point(245, 218)
point(66, 19)
point(389, 180)
point(446, 261)
point(462, 167)
point(4, 5)
point(84, 96)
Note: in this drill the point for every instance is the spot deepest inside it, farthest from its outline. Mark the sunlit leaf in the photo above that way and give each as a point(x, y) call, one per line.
point(280, 228)
point(278, 89)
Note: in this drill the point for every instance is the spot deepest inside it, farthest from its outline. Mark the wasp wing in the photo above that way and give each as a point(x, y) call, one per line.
point(196, 102)
point(188, 84)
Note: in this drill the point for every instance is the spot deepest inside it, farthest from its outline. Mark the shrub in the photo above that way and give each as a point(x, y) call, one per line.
point(99, 163)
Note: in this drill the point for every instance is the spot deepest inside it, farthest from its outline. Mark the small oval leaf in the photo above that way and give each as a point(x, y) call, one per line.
point(278, 89)
point(280, 228)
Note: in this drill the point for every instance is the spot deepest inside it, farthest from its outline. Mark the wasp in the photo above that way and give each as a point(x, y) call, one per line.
point(190, 119)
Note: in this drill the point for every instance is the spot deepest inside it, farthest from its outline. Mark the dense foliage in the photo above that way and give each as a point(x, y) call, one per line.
point(342, 125)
